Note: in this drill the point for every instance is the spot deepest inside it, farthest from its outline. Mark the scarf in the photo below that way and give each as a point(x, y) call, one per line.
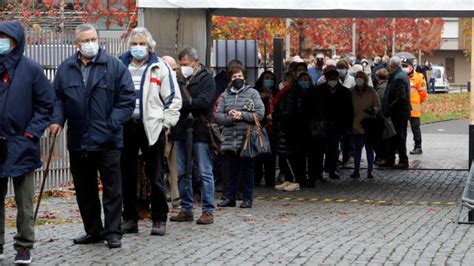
point(279, 95)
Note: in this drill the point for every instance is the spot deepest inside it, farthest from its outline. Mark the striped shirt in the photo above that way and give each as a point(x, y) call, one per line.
point(137, 73)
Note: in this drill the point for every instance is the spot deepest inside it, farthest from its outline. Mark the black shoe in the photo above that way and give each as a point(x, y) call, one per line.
point(416, 151)
point(23, 256)
point(402, 165)
point(129, 227)
point(87, 239)
point(114, 242)
point(370, 174)
point(355, 175)
point(334, 175)
point(226, 203)
point(387, 164)
point(246, 204)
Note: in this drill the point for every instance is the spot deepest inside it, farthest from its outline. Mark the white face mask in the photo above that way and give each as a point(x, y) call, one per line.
point(332, 83)
point(281, 85)
point(90, 49)
point(342, 72)
point(406, 69)
point(359, 82)
point(187, 71)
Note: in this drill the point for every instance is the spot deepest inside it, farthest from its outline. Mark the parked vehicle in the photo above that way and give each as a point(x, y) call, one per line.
point(441, 81)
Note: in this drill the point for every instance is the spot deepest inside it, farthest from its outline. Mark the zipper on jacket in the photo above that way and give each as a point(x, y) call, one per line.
point(235, 128)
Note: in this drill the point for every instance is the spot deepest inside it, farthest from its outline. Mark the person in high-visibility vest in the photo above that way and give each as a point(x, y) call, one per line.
point(418, 94)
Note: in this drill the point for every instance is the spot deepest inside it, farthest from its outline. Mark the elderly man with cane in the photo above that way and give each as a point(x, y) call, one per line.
point(26, 102)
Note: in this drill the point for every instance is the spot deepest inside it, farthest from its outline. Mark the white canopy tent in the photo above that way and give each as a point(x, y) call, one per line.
point(179, 23)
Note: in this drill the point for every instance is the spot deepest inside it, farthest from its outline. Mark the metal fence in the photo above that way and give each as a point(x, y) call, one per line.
point(50, 49)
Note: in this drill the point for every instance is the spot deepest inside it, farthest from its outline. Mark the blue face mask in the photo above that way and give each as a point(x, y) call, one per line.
point(268, 83)
point(303, 84)
point(5, 46)
point(139, 52)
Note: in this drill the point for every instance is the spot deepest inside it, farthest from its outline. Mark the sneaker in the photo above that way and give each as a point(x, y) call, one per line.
point(416, 151)
point(183, 216)
point(292, 187)
point(282, 185)
point(129, 227)
point(206, 218)
point(158, 228)
point(23, 256)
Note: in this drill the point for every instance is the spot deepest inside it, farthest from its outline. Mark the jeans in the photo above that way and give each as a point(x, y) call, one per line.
point(431, 85)
point(239, 166)
point(24, 187)
point(203, 158)
point(359, 142)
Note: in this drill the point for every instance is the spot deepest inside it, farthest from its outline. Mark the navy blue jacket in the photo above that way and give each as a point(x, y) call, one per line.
point(26, 105)
point(96, 112)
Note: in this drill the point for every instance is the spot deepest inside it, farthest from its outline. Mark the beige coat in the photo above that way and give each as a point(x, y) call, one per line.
point(361, 103)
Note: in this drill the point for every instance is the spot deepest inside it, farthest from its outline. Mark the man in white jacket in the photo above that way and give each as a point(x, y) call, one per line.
point(157, 109)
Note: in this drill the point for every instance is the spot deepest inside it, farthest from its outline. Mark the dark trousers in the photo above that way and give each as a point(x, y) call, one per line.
point(346, 148)
point(239, 166)
point(416, 130)
point(84, 167)
point(265, 168)
point(398, 142)
point(135, 139)
point(315, 159)
point(332, 151)
point(285, 167)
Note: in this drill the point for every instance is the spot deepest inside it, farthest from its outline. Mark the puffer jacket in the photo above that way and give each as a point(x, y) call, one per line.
point(234, 131)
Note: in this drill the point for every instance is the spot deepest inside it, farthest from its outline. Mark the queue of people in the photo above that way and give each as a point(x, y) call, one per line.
point(142, 105)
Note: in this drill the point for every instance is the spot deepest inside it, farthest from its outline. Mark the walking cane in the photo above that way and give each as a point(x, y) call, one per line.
point(45, 175)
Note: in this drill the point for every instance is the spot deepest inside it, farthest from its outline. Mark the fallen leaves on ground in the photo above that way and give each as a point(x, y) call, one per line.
point(448, 106)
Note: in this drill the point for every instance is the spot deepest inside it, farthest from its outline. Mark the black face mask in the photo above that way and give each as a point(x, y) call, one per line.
point(237, 83)
point(320, 62)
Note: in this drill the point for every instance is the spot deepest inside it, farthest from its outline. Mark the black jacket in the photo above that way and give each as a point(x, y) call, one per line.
point(288, 122)
point(396, 101)
point(202, 88)
point(334, 107)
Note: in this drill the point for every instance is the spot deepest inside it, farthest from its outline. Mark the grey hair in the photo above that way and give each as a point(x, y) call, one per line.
point(83, 27)
point(142, 32)
point(377, 60)
point(190, 52)
point(395, 61)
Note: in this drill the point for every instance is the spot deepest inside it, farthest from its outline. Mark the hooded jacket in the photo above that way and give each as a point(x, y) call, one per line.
point(160, 97)
point(96, 112)
point(26, 102)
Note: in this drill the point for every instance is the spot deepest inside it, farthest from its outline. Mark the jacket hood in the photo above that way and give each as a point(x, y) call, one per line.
point(16, 31)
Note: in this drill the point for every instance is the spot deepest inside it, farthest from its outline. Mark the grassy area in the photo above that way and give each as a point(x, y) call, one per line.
point(442, 107)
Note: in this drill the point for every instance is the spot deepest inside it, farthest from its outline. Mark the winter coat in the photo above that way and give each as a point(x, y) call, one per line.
point(26, 102)
point(160, 97)
point(332, 107)
point(365, 106)
point(396, 101)
point(381, 88)
point(202, 88)
point(234, 131)
point(96, 112)
point(288, 121)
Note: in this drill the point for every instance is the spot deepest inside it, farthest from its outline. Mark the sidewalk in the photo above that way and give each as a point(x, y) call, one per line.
point(400, 217)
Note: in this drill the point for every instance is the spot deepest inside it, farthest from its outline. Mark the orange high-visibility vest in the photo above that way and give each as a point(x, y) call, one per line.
point(418, 93)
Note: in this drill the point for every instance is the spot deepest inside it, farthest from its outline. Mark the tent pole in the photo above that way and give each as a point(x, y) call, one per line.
point(471, 120)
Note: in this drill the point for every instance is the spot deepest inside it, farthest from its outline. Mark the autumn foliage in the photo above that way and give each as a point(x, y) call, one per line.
point(113, 12)
point(374, 35)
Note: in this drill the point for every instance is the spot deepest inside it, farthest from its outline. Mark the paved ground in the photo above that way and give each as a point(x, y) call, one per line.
point(400, 217)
